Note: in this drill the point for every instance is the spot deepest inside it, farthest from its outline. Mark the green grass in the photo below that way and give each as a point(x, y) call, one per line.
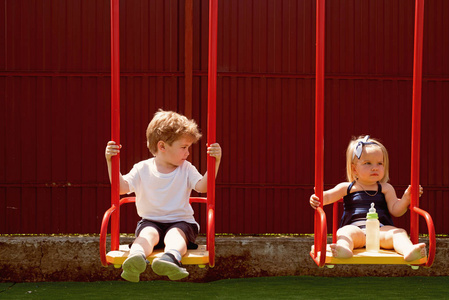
point(304, 287)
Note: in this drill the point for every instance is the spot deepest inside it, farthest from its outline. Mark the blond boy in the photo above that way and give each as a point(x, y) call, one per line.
point(162, 185)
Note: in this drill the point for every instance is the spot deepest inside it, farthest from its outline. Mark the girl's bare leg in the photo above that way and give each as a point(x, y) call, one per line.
point(349, 237)
point(397, 239)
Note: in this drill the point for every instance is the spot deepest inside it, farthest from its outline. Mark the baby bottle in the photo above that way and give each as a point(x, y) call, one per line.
point(372, 230)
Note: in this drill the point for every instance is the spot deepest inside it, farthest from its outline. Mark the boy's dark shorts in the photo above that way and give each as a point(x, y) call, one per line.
point(189, 229)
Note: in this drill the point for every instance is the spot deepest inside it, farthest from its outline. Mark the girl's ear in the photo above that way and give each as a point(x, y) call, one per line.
point(353, 168)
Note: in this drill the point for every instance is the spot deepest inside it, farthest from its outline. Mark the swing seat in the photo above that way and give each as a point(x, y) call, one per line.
point(362, 257)
point(202, 256)
point(198, 256)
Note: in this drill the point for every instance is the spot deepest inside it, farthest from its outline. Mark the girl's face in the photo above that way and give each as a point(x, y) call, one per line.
point(370, 167)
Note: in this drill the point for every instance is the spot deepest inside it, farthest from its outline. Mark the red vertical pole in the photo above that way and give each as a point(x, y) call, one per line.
point(416, 118)
point(188, 57)
point(319, 100)
point(211, 116)
point(115, 122)
point(319, 118)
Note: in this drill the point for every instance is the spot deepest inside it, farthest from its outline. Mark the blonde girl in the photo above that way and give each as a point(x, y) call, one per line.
point(367, 170)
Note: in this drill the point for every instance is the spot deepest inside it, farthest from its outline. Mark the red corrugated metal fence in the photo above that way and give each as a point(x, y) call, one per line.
point(55, 104)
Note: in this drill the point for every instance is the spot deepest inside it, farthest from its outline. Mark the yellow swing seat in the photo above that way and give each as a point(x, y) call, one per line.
point(198, 256)
point(202, 256)
point(362, 257)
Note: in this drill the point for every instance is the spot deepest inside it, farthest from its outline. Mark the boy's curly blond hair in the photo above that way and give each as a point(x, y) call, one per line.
point(169, 126)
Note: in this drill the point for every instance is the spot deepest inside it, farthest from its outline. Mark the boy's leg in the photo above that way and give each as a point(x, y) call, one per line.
point(175, 239)
point(136, 262)
point(145, 242)
point(175, 247)
point(348, 238)
point(397, 239)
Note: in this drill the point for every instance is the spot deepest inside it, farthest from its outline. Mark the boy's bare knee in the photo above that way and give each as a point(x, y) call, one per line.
point(149, 235)
point(175, 234)
point(176, 239)
point(149, 232)
point(176, 231)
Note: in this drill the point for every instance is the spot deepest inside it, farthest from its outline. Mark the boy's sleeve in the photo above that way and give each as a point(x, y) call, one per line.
point(132, 178)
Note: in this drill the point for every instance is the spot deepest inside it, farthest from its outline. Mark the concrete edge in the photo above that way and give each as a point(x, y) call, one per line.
point(63, 258)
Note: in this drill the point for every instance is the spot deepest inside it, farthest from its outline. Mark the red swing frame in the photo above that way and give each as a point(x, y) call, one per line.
point(113, 212)
point(320, 225)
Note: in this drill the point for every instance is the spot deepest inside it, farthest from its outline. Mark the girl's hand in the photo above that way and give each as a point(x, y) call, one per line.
point(314, 201)
point(112, 149)
point(408, 192)
point(214, 150)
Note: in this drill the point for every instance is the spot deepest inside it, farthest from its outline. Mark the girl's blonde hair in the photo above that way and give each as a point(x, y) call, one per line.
point(351, 157)
point(169, 126)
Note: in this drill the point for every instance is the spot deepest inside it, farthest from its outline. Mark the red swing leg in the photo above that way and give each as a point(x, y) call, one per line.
point(415, 211)
point(211, 127)
point(115, 120)
point(320, 217)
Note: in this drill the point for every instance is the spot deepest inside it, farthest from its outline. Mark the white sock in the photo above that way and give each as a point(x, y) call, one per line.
point(134, 252)
point(175, 253)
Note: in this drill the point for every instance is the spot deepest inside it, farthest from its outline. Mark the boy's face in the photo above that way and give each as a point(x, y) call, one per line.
point(176, 153)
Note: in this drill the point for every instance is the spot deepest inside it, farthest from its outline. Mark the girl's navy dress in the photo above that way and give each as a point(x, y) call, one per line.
point(356, 206)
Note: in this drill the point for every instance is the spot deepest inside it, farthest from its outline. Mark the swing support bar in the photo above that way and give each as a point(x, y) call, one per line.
point(211, 122)
point(320, 217)
point(416, 118)
point(115, 123)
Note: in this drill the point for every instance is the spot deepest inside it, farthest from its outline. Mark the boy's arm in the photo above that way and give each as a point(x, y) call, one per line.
point(330, 196)
point(215, 151)
point(112, 150)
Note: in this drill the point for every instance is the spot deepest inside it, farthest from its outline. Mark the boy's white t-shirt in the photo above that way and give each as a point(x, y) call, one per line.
point(163, 197)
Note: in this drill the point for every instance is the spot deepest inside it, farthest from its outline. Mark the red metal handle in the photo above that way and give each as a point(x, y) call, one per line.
point(320, 242)
point(335, 219)
point(210, 235)
point(210, 238)
point(198, 200)
point(431, 232)
point(104, 229)
point(103, 235)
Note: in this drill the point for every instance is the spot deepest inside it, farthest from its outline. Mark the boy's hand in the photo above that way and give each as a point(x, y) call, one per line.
point(112, 149)
point(214, 150)
point(314, 201)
